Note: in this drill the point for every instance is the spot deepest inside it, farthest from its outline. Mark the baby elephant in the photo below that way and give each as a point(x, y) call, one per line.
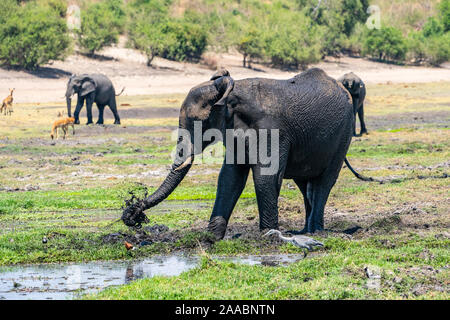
point(357, 89)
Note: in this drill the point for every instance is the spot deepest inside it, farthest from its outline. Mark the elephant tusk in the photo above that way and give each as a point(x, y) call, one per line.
point(184, 164)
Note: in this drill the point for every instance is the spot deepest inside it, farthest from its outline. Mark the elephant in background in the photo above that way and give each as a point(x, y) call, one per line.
point(313, 116)
point(92, 88)
point(357, 89)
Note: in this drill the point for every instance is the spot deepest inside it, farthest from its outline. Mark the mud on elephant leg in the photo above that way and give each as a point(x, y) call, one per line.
point(232, 179)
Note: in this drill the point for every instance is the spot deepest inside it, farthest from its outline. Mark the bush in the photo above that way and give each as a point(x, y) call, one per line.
point(190, 41)
point(338, 18)
point(59, 6)
point(432, 27)
point(101, 24)
point(152, 32)
point(438, 49)
point(251, 45)
point(150, 38)
point(292, 40)
point(444, 13)
point(416, 47)
point(31, 35)
point(385, 44)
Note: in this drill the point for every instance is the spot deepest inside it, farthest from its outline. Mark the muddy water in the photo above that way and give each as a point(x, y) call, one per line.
point(68, 281)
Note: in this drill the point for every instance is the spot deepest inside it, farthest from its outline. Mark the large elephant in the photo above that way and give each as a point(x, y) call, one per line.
point(357, 89)
point(312, 114)
point(92, 88)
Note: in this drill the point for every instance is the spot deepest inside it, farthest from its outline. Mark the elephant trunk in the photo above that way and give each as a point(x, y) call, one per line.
point(133, 215)
point(69, 105)
point(173, 179)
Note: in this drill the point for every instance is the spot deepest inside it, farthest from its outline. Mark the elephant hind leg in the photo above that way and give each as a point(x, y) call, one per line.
point(303, 186)
point(113, 106)
point(318, 191)
point(101, 108)
point(361, 120)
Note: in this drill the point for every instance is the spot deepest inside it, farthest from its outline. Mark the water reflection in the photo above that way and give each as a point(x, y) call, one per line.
point(68, 281)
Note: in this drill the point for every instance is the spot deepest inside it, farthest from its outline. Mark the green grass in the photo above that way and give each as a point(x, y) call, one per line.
point(338, 274)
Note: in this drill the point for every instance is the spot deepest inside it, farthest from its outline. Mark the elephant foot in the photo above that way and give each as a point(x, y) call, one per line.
point(218, 226)
point(99, 122)
point(77, 121)
point(295, 232)
point(307, 229)
point(363, 132)
point(117, 122)
point(89, 122)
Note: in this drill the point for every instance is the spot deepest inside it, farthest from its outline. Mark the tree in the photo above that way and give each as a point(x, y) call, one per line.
point(31, 35)
point(101, 24)
point(386, 44)
point(251, 45)
point(292, 39)
point(153, 32)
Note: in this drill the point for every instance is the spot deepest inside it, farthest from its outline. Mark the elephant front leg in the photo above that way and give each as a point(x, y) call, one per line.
point(232, 179)
point(89, 102)
point(267, 188)
point(76, 114)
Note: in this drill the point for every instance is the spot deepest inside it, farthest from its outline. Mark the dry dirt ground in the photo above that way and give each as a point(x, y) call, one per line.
point(127, 68)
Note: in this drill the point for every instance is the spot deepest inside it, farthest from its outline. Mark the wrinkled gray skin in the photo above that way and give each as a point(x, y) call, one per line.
point(357, 89)
point(314, 116)
point(91, 88)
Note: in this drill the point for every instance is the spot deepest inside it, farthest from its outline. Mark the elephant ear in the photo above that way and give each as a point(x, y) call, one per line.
point(224, 84)
point(88, 86)
point(220, 73)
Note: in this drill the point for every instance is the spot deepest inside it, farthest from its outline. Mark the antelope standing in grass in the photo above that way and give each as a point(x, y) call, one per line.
point(7, 103)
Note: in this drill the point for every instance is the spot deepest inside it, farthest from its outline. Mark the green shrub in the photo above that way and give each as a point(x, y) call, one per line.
point(338, 18)
point(292, 40)
point(31, 35)
point(153, 32)
point(416, 47)
point(385, 44)
point(150, 38)
point(190, 41)
point(433, 27)
point(437, 49)
point(101, 24)
point(60, 6)
point(444, 13)
point(354, 43)
point(251, 45)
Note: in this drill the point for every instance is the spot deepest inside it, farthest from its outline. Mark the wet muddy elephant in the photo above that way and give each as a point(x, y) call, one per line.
point(92, 88)
point(312, 116)
point(357, 89)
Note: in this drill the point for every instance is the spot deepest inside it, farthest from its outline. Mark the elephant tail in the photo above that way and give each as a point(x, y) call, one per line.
point(120, 92)
point(359, 176)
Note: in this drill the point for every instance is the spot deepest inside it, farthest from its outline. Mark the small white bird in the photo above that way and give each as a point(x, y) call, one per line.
point(298, 240)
